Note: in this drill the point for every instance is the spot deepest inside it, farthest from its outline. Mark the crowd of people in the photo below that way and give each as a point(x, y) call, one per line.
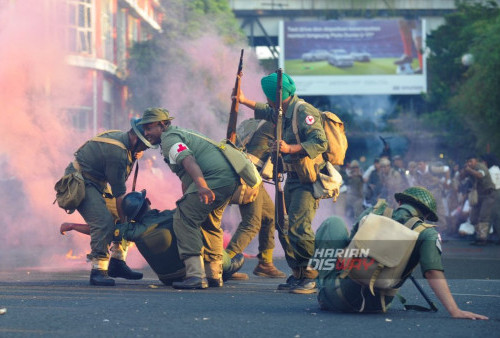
point(451, 184)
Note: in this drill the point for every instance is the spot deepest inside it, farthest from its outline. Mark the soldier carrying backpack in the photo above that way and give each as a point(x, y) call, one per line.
point(371, 264)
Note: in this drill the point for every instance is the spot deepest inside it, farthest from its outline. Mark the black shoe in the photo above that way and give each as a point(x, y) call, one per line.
point(215, 282)
point(236, 264)
point(290, 282)
point(118, 268)
point(191, 283)
point(304, 286)
point(403, 59)
point(100, 278)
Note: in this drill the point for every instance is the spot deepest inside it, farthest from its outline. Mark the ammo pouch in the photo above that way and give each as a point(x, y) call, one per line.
point(70, 191)
point(305, 168)
point(244, 194)
point(328, 184)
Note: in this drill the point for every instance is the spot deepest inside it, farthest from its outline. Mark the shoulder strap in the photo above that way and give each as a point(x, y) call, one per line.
point(388, 212)
point(423, 226)
point(110, 141)
point(295, 127)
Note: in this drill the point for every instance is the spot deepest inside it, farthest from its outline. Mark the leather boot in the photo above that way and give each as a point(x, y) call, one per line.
point(100, 278)
point(268, 270)
point(292, 280)
point(195, 275)
point(213, 271)
point(118, 268)
point(236, 264)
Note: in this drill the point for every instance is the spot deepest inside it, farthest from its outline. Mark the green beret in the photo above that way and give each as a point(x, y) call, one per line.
point(155, 115)
point(269, 82)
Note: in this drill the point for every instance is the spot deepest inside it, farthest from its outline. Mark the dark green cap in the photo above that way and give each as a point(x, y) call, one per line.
point(155, 115)
point(420, 198)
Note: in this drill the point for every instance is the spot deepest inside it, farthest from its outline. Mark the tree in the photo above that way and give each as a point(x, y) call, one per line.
point(453, 86)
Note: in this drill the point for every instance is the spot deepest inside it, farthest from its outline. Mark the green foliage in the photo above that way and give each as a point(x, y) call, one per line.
point(463, 100)
point(150, 61)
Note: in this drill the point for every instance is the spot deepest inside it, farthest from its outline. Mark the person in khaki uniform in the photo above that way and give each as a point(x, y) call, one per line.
point(107, 159)
point(208, 182)
point(258, 216)
point(481, 212)
point(342, 294)
point(152, 232)
point(300, 203)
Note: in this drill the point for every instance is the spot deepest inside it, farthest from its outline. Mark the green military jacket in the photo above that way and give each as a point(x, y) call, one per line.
point(427, 250)
point(106, 162)
point(310, 128)
point(485, 184)
point(260, 143)
point(155, 239)
point(178, 143)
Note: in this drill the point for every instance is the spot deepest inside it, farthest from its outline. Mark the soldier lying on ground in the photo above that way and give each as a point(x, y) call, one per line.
point(152, 232)
point(340, 290)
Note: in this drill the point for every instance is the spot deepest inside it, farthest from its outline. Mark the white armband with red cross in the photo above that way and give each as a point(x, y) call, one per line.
point(175, 151)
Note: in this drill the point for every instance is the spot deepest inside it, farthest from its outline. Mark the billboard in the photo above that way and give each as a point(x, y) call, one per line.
point(354, 57)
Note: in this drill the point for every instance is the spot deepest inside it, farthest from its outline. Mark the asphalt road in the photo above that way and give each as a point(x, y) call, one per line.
point(57, 304)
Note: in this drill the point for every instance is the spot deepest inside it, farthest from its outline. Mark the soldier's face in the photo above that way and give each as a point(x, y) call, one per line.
point(152, 132)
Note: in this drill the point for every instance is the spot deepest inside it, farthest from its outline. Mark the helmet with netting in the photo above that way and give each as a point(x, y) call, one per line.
point(420, 198)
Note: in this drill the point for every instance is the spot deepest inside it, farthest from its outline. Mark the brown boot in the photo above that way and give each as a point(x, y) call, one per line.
point(268, 270)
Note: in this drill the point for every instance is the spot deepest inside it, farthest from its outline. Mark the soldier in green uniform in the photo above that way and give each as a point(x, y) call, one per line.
point(208, 182)
point(107, 159)
point(299, 199)
point(481, 212)
point(152, 231)
point(338, 293)
point(258, 216)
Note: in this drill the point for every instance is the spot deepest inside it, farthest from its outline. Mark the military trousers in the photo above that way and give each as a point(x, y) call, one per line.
point(301, 207)
point(480, 214)
point(256, 217)
point(191, 216)
point(100, 214)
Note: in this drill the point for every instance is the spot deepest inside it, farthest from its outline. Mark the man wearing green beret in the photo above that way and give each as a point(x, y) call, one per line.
point(208, 182)
point(105, 163)
point(340, 291)
point(297, 150)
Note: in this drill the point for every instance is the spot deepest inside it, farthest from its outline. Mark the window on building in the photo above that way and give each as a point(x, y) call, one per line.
point(80, 117)
point(80, 35)
point(121, 39)
point(107, 30)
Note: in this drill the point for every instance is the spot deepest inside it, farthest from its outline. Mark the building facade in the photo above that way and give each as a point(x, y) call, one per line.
point(98, 37)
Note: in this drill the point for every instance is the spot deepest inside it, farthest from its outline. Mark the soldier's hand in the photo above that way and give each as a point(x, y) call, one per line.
point(468, 315)
point(139, 154)
point(207, 196)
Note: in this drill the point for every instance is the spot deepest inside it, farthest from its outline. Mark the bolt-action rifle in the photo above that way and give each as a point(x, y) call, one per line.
point(233, 114)
point(281, 216)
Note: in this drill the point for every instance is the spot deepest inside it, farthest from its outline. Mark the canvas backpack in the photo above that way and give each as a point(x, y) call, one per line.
point(335, 135)
point(390, 244)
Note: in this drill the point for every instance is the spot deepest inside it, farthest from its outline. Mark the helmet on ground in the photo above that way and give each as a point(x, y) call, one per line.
point(132, 203)
point(420, 198)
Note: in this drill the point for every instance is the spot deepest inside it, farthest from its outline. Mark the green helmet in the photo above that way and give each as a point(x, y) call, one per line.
point(133, 204)
point(420, 198)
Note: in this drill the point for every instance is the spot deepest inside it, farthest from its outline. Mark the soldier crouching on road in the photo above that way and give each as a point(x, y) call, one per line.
point(347, 290)
point(152, 232)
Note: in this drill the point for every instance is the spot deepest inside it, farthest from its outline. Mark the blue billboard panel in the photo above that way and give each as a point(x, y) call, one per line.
point(354, 57)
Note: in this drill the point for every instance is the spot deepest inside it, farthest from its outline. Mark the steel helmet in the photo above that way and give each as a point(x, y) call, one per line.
point(420, 198)
point(132, 203)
